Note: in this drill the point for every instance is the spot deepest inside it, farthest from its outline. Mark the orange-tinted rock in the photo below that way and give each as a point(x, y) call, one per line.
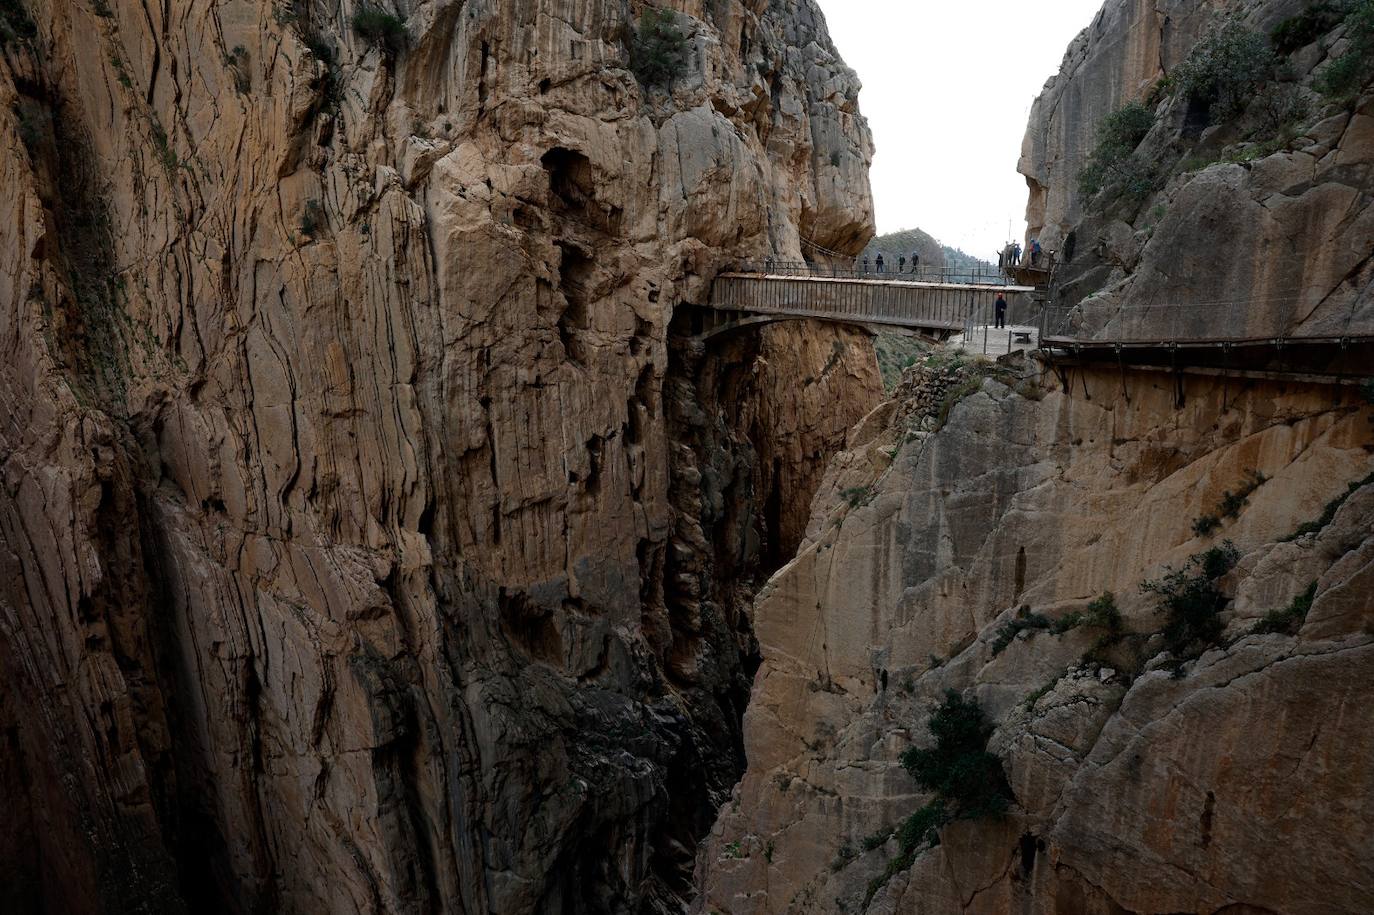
point(340, 495)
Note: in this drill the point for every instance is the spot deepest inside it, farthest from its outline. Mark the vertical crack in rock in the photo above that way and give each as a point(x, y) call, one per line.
point(368, 543)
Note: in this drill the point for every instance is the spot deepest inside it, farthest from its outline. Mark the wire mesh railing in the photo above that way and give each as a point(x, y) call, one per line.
point(944, 307)
point(966, 276)
point(1216, 321)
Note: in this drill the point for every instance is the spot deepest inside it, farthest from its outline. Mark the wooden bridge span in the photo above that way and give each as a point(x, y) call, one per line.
point(935, 307)
point(1175, 338)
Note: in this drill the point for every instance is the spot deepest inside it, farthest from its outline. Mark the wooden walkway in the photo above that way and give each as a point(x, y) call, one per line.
point(937, 307)
point(1172, 339)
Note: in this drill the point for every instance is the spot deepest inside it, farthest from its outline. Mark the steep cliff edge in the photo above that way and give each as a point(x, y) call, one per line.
point(351, 522)
point(1146, 777)
point(1156, 586)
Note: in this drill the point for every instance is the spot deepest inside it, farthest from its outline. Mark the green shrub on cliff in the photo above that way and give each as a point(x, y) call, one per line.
point(1102, 613)
point(1290, 619)
point(1297, 32)
point(1225, 71)
point(658, 53)
point(1192, 599)
point(968, 782)
point(1329, 512)
point(1230, 505)
point(1112, 160)
point(1353, 69)
point(379, 28)
point(1024, 621)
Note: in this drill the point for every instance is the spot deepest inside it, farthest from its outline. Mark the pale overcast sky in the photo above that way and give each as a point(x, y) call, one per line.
point(947, 89)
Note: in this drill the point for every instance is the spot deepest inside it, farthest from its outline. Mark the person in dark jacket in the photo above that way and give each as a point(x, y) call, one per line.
point(1035, 252)
point(915, 261)
point(1001, 309)
point(901, 264)
point(879, 262)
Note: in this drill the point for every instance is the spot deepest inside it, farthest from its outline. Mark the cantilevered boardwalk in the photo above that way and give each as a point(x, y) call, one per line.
point(944, 303)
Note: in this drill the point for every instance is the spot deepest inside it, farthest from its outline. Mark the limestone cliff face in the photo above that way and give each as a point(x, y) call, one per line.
point(1141, 785)
point(352, 527)
point(975, 513)
point(1265, 218)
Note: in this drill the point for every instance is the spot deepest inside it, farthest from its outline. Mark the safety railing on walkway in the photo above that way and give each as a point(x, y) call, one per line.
point(1192, 324)
point(892, 273)
point(933, 306)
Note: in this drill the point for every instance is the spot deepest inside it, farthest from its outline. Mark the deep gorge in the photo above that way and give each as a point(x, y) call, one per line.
point(378, 535)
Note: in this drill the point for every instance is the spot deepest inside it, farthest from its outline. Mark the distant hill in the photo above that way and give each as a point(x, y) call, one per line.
point(933, 254)
point(901, 244)
point(956, 258)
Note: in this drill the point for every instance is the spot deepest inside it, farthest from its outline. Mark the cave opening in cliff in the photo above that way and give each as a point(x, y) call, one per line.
point(571, 180)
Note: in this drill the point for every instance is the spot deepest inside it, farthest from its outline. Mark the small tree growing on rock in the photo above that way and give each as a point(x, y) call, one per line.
point(967, 780)
point(1192, 599)
point(380, 28)
point(1113, 158)
point(1353, 69)
point(1225, 71)
point(658, 52)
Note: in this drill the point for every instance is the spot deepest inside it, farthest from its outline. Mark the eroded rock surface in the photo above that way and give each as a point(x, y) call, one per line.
point(976, 514)
point(1141, 785)
point(348, 547)
point(1256, 224)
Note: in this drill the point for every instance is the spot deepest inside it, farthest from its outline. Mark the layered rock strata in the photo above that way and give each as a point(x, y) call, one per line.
point(349, 559)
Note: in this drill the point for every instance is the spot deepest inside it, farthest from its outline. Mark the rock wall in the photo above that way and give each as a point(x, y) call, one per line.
point(1141, 784)
point(1212, 247)
point(975, 518)
point(348, 557)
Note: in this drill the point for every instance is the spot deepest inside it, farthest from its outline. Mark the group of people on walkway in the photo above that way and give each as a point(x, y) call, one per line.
point(1010, 256)
point(901, 263)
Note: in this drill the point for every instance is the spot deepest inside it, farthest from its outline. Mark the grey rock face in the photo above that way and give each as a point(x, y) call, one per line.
point(1251, 230)
point(1144, 782)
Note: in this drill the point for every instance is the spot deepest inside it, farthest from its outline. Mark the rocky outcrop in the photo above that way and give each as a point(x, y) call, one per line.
point(1144, 781)
point(1257, 224)
point(348, 553)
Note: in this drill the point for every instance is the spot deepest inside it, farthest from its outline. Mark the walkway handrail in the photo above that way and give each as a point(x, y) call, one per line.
point(990, 276)
point(1227, 321)
point(944, 307)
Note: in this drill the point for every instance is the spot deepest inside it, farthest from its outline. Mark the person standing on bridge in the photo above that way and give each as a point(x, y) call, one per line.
point(901, 264)
point(865, 263)
point(915, 260)
point(879, 262)
point(1015, 253)
point(1035, 252)
point(1001, 310)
